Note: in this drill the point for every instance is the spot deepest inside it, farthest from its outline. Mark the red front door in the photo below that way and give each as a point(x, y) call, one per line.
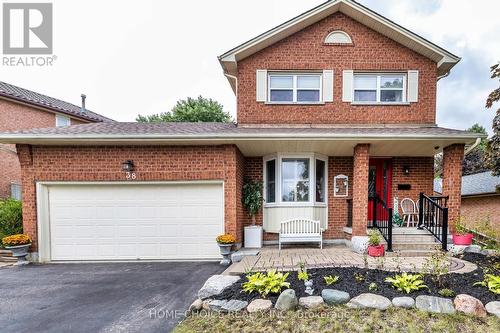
point(379, 182)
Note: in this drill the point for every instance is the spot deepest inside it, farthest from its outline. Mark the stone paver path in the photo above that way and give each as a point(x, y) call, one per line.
point(332, 256)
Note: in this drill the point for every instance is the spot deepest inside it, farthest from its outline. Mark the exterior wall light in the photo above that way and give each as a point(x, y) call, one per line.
point(128, 166)
point(406, 170)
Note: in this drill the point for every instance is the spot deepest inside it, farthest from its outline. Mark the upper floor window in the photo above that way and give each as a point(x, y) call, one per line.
point(294, 88)
point(380, 88)
point(62, 121)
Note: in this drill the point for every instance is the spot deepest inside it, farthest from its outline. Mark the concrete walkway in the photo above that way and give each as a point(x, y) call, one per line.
point(332, 256)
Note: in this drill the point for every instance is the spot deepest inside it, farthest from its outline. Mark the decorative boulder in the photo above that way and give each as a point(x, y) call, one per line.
point(216, 285)
point(206, 304)
point(310, 302)
point(259, 305)
point(470, 305)
point(403, 302)
point(493, 308)
point(473, 248)
point(333, 296)
point(196, 305)
point(287, 300)
point(434, 304)
point(369, 300)
point(227, 306)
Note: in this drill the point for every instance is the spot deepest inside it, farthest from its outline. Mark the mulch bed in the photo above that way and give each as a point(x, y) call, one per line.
point(459, 283)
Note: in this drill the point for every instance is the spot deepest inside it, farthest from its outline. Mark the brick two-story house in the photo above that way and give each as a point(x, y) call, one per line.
point(22, 109)
point(331, 105)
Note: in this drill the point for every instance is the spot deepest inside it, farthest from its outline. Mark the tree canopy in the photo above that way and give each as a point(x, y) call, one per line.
point(190, 110)
point(475, 161)
point(493, 148)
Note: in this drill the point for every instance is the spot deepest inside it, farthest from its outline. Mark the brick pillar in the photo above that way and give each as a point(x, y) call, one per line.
point(452, 181)
point(360, 189)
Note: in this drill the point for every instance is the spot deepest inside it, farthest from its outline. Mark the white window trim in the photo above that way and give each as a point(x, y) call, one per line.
point(379, 75)
point(294, 88)
point(59, 118)
point(312, 180)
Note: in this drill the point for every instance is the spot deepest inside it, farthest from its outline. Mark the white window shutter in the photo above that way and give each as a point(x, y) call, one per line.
point(413, 86)
point(261, 84)
point(347, 82)
point(328, 85)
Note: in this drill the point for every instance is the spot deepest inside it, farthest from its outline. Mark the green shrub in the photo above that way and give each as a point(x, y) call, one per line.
point(407, 282)
point(302, 275)
point(11, 217)
point(329, 279)
point(446, 292)
point(374, 238)
point(264, 284)
point(490, 281)
point(373, 287)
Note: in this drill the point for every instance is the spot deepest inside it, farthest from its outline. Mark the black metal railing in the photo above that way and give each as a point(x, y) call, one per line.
point(434, 217)
point(382, 219)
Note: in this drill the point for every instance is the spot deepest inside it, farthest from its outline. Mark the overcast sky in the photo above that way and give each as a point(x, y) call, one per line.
point(133, 57)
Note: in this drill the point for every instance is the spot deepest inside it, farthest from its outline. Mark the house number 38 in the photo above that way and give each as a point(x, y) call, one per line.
point(130, 175)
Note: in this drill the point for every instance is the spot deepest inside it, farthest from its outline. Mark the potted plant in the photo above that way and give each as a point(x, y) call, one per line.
point(19, 245)
point(375, 249)
point(225, 242)
point(252, 201)
point(462, 236)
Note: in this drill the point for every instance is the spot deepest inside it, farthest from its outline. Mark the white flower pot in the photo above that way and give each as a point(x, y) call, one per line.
point(253, 236)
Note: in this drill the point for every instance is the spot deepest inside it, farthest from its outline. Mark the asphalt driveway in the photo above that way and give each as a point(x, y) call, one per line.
point(110, 297)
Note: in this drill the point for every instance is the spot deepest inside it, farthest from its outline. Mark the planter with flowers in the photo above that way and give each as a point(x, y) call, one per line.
point(19, 245)
point(375, 249)
point(462, 236)
point(225, 243)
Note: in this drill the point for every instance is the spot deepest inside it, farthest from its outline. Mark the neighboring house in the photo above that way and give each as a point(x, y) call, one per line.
point(332, 104)
point(22, 109)
point(480, 200)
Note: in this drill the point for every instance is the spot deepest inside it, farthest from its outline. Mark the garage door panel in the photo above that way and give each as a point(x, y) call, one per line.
point(135, 221)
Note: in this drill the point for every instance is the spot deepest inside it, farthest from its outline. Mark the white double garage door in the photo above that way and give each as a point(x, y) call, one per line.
point(130, 221)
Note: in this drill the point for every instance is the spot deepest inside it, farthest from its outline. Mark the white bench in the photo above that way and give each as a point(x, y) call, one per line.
point(300, 231)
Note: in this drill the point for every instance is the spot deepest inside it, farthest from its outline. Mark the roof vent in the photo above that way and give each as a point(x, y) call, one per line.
point(83, 103)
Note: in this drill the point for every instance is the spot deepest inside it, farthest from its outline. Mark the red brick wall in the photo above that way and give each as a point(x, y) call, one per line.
point(13, 117)
point(477, 210)
point(360, 189)
point(452, 181)
point(421, 177)
point(152, 163)
point(337, 206)
point(305, 50)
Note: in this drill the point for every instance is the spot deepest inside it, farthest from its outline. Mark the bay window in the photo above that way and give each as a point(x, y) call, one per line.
point(380, 88)
point(295, 179)
point(294, 88)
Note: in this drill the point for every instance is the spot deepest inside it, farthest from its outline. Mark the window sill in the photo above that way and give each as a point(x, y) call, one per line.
point(294, 103)
point(381, 103)
point(295, 204)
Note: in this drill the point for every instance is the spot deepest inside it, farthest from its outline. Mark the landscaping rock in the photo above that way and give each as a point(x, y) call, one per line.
point(227, 306)
point(434, 304)
point(369, 300)
point(333, 296)
point(215, 285)
point(259, 305)
point(234, 305)
point(473, 248)
point(403, 302)
point(287, 300)
point(310, 302)
point(359, 244)
point(493, 308)
point(457, 249)
point(470, 305)
point(197, 305)
point(206, 304)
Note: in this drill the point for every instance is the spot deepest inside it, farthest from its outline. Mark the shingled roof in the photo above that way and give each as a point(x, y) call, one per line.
point(480, 183)
point(39, 100)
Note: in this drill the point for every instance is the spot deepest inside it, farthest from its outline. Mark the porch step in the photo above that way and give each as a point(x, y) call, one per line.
point(425, 246)
point(8, 259)
point(410, 253)
point(413, 239)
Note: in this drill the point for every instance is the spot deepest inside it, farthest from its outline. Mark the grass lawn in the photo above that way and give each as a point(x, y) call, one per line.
point(339, 319)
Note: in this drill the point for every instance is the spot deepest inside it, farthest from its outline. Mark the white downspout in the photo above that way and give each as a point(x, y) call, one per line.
point(478, 141)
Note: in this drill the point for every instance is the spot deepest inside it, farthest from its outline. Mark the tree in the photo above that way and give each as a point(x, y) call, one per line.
point(252, 197)
point(475, 161)
point(190, 110)
point(493, 147)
